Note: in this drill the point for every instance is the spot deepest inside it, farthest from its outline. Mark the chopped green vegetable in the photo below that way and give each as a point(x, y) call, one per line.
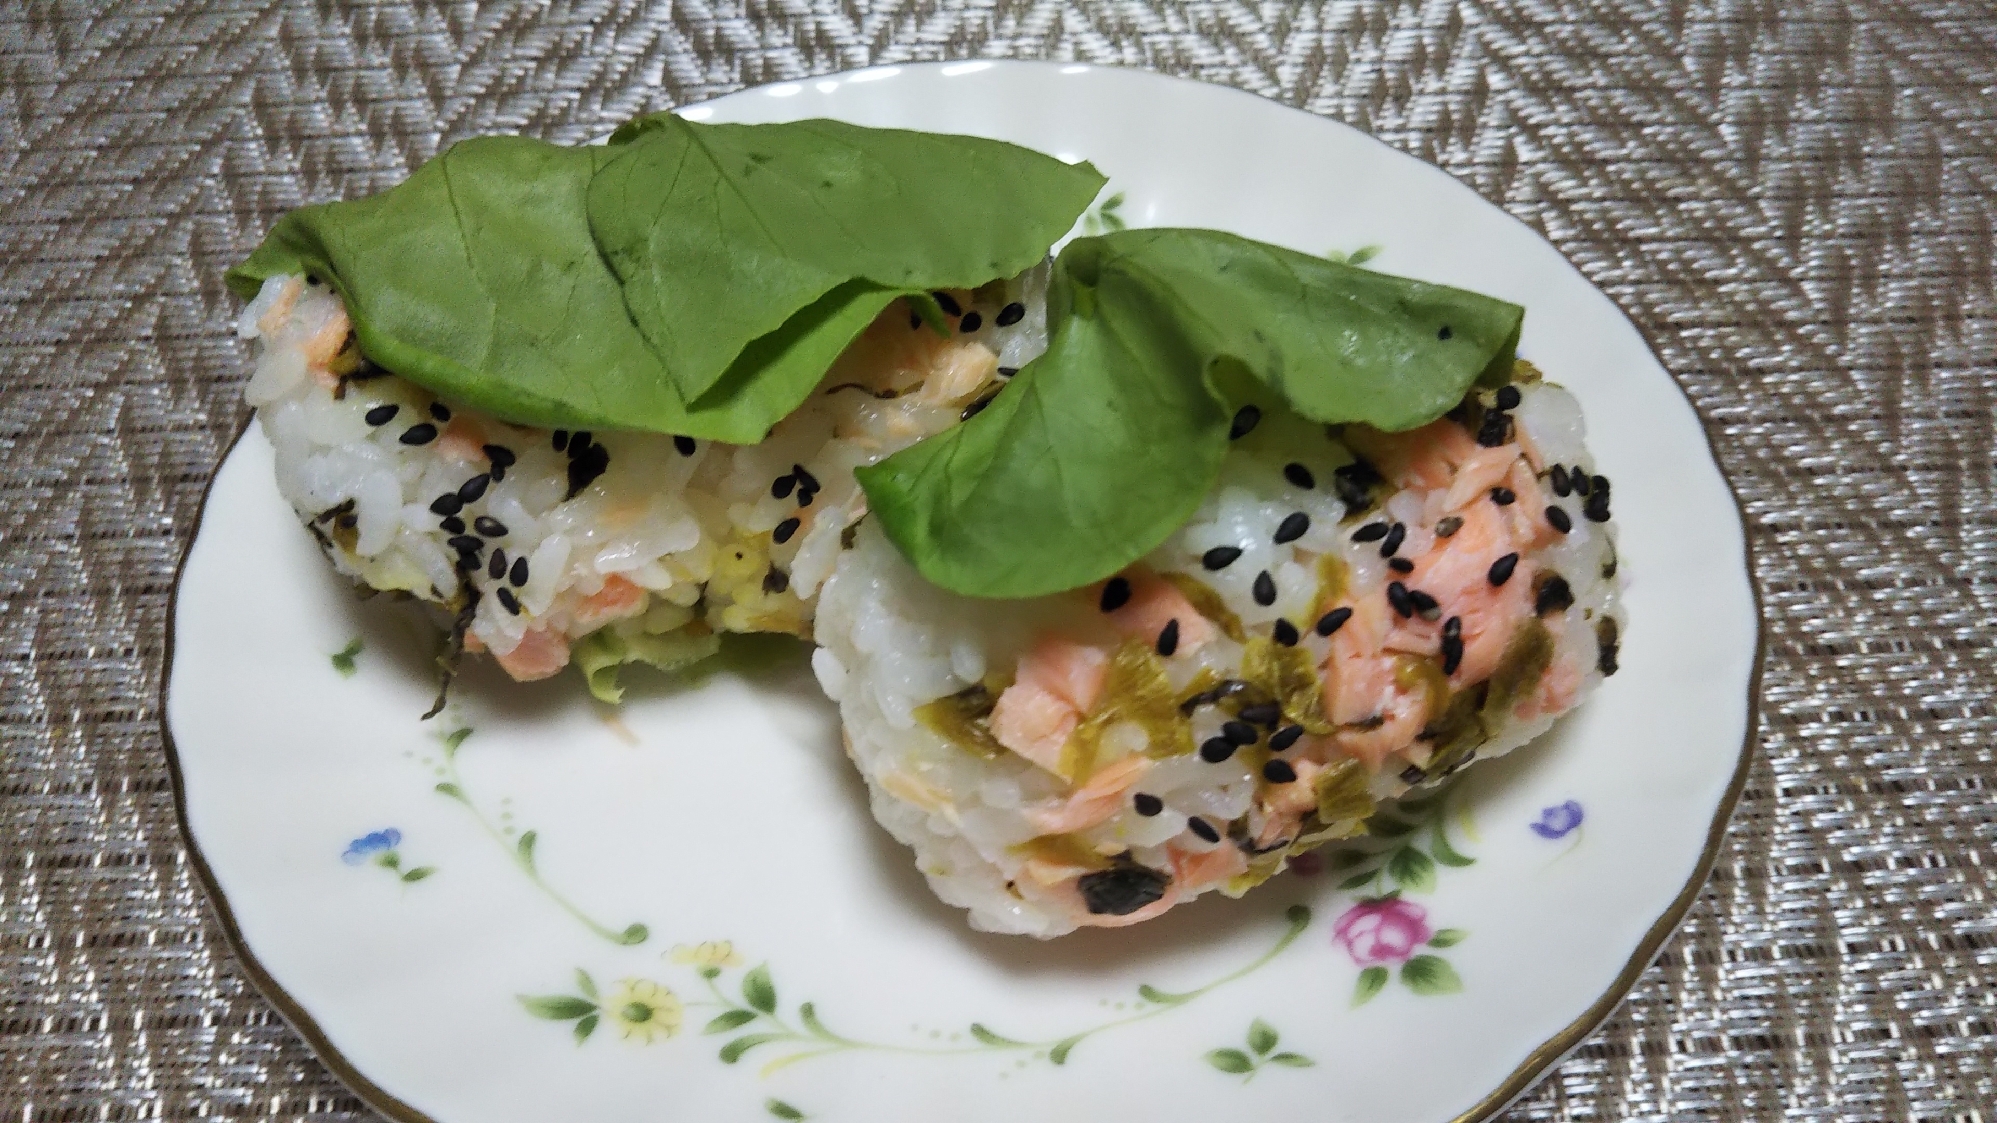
point(602, 653)
point(1290, 677)
point(964, 719)
point(719, 234)
point(1107, 443)
point(1344, 799)
point(1135, 689)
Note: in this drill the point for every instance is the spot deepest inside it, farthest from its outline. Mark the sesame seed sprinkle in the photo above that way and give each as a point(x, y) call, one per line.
point(1262, 713)
point(1395, 536)
point(775, 581)
point(1491, 433)
point(1279, 772)
point(1203, 828)
point(464, 543)
point(383, 414)
point(489, 526)
point(1332, 621)
point(1146, 804)
point(1501, 570)
point(1245, 420)
point(1424, 604)
point(1293, 527)
point(1239, 732)
point(472, 489)
point(1448, 526)
point(453, 525)
point(1562, 486)
point(1371, 532)
point(419, 434)
point(1283, 738)
point(971, 322)
point(1116, 594)
point(518, 574)
point(781, 487)
point(496, 568)
point(508, 601)
point(784, 530)
point(1579, 478)
point(1285, 633)
point(1397, 595)
point(1504, 496)
point(440, 411)
point(560, 439)
point(1400, 565)
point(1220, 557)
point(685, 445)
point(1555, 595)
point(1509, 397)
point(446, 504)
point(1168, 638)
point(1299, 476)
point(1011, 314)
point(1264, 589)
point(948, 303)
point(1216, 749)
point(1559, 518)
point(1443, 333)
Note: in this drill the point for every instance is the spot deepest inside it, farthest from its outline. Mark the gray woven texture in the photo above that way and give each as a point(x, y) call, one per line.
point(1794, 198)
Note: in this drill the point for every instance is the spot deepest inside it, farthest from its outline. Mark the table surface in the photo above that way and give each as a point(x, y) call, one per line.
point(1794, 198)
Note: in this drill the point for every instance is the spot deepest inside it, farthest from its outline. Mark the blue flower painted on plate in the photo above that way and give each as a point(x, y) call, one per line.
point(1558, 821)
point(380, 848)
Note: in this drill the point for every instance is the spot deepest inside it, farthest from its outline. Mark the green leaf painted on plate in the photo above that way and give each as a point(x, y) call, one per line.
point(1232, 1061)
point(1292, 1060)
point(719, 234)
point(556, 1007)
point(1445, 853)
point(988, 1037)
point(451, 790)
point(732, 1052)
point(1059, 1053)
point(1447, 937)
point(1371, 981)
point(524, 849)
point(343, 659)
point(730, 1020)
point(1430, 974)
point(1262, 1037)
point(1412, 870)
point(1357, 879)
point(410, 877)
point(585, 1026)
point(585, 984)
point(782, 1110)
point(758, 991)
point(1101, 447)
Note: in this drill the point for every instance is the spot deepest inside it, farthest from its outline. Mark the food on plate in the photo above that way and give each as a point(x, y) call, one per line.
point(1137, 570)
point(1348, 614)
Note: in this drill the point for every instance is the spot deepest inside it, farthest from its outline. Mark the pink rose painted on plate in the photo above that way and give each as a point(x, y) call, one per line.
point(1382, 931)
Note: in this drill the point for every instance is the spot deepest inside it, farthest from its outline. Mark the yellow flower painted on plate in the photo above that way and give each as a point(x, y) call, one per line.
point(713, 953)
point(642, 1010)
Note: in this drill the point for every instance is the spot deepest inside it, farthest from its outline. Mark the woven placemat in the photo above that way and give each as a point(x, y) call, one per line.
point(1794, 198)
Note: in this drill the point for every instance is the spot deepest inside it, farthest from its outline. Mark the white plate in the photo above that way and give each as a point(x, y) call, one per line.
point(726, 813)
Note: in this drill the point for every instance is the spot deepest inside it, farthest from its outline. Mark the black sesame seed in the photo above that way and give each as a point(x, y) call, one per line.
point(1443, 333)
point(1203, 828)
point(1262, 713)
point(500, 456)
point(584, 469)
point(453, 525)
point(1448, 526)
point(685, 445)
point(1452, 654)
point(1145, 804)
point(1354, 484)
point(421, 434)
point(977, 406)
point(489, 526)
point(1423, 603)
point(1245, 420)
point(1299, 475)
point(1555, 595)
point(1559, 518)
point(1216, 749)
point(496, 568)
point(1501, 570)
point(347, 521)
point(1007, 372)
point(1509, 397)
point(775, 581)
point(440, 411)
point(1562, 486)
point(447, 504)
point(1453, 627)
point(1579, 478)
point(1494, 429)
point(1279, 772)
point(1504, 496)
point(1601, 485)
point(1285, 737)
point(805, 480)
point(1332, 621)
point(804, 497)
point(1397, 595)
point(1116, 593)
point(971, 322)
point(518, 575)
point(948, 303)
point(472, 489)
point(1286, 633)
point(1596, 509)
point(1011, 314)
point(382, 415)
point(560, 440)
point(1264, 589)
point(781, 487)
point(1168, 638)
point(1371, 532)
point(784, 530)
point(1400, 565)
point(1239, 732)
point(1293, 527)
point(1413, 774)
point(1392, 544)
point(465, 543)
point(508, 601)
point(579, 444)
point(1220, 557)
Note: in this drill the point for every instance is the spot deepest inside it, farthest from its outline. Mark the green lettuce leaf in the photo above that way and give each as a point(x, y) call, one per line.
point(602, 653)
point(1103, 446)
point(720, 234)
